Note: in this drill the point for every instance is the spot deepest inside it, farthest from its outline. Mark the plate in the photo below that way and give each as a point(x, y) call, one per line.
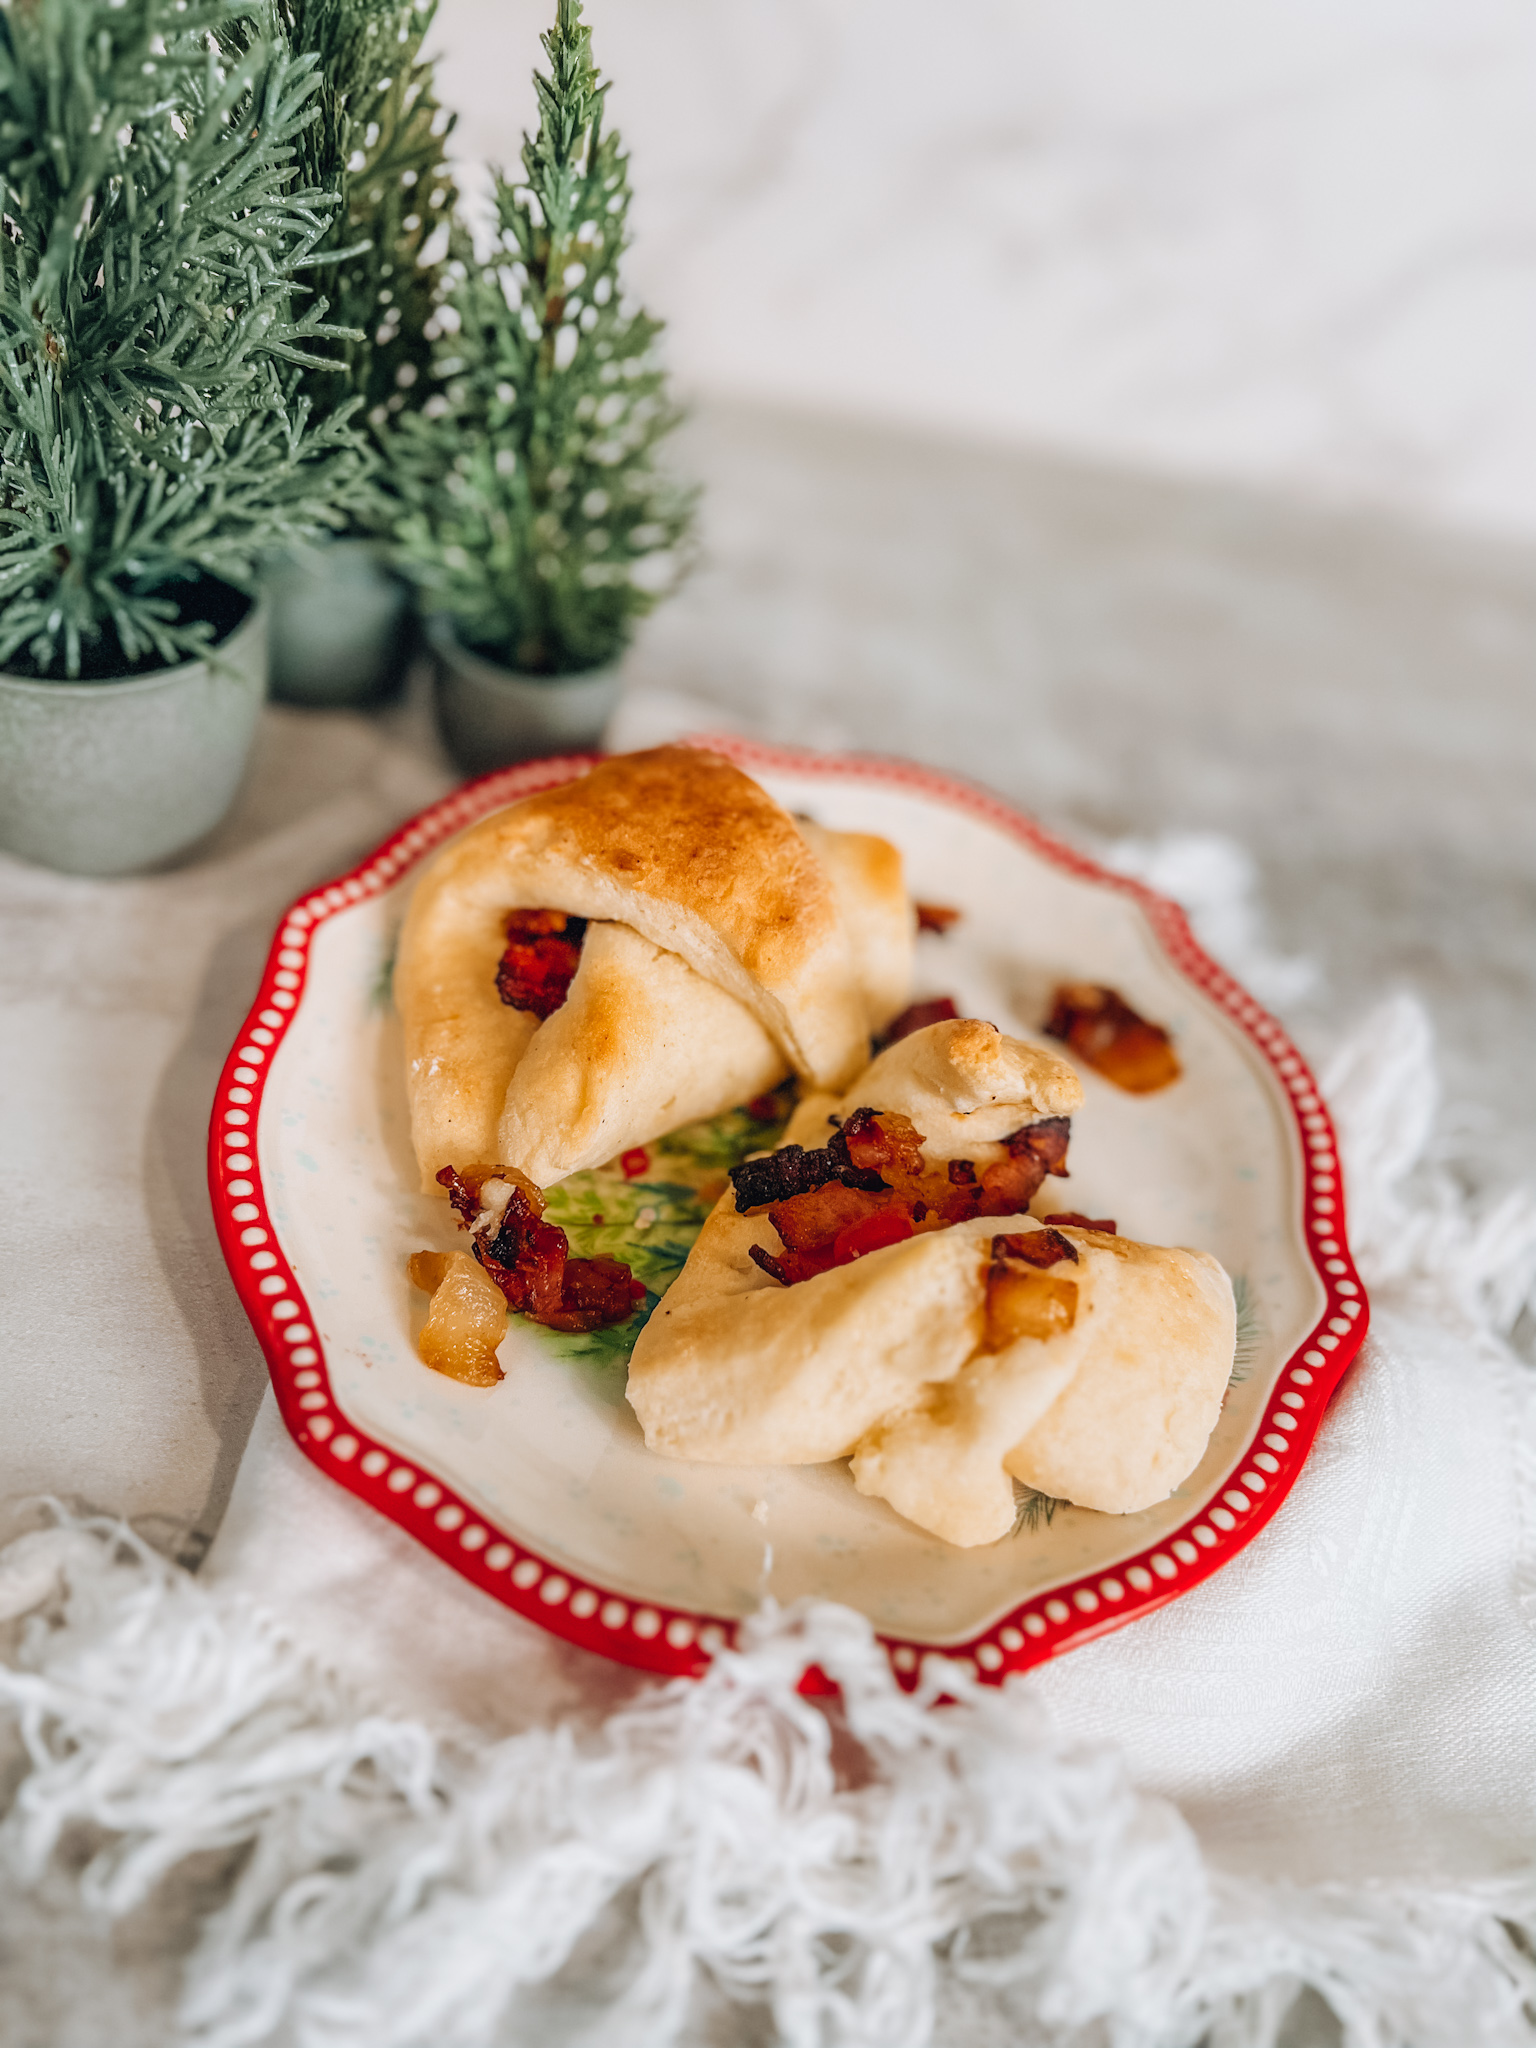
point(540, 1490)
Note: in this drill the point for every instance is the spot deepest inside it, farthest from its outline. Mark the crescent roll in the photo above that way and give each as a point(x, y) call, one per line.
point(733, 1368)
point(1111, 1413)
point(727, 947)
point(1103, 1390)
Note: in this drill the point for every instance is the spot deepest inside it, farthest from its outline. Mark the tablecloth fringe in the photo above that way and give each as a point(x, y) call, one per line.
point(876, 1875)
point(886, 1876)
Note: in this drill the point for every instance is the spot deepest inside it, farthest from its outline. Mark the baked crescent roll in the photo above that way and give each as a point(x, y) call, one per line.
point(1113, 1412)
point(703, 892)
point(733, 1368)
point(965, 1085)
point(642, 1045)
point(948, 1364)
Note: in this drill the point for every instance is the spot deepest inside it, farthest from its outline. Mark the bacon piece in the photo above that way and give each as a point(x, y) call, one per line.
point(817, 1216)
point(543, 951)
point(917, 1016)
point(789, 1268)
point(1022, 1299)
point(779, 1176)
point(1035, 1247)
point(935, 917)
point(1105, 1224)
point(1009, 1186)
point(870, 1234)
point(595, 1292)
point(1102, 1029)
point(812, 1220)
point(1046, 1141)
point(530, 1260)
point(883, 1143)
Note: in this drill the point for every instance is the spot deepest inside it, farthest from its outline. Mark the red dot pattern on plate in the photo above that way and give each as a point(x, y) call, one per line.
point(674, 1641)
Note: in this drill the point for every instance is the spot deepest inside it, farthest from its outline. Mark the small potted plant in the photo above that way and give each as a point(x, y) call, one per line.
point(535, 520)
point(157, 317)
point(341, 631)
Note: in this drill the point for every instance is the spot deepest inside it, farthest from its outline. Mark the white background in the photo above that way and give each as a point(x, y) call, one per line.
point(1288, 241)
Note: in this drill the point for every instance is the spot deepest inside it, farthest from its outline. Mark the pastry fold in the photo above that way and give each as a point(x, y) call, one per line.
point(887, 1359)
point(723, 951)
point(1112, 1414)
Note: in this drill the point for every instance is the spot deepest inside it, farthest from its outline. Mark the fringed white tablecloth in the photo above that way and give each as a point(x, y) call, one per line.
point(434, 1827)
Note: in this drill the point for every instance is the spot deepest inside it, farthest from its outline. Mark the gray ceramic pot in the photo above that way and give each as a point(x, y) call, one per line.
point(103, 778)
point(489, 715)
point(341, 626)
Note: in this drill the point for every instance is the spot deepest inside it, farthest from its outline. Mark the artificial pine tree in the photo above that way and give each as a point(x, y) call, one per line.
point(159, 321)
point(381, 139)
point(536, 517)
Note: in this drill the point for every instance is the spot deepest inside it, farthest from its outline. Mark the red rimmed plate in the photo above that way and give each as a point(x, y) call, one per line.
point(540, 1490)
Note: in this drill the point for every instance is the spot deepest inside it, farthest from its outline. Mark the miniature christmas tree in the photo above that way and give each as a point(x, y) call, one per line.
point(536, 517)
point(160, 321)
point(381, 138)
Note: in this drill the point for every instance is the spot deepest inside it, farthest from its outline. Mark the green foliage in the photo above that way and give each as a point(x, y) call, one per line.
point(536, 517)
point(156, 323)
point(381, 140)
point(1032, 1511)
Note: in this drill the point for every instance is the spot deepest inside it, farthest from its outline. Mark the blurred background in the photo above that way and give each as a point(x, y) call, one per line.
point(1130, 407)
point(1286, 241)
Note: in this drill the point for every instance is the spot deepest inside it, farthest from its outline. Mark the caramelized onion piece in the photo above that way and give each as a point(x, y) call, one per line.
point(1024, 1303)
point(467, 1319)
point(1023, 1300)
point(1102, 1029)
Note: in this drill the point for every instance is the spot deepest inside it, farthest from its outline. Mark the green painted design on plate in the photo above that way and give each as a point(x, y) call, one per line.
point(651, 1222)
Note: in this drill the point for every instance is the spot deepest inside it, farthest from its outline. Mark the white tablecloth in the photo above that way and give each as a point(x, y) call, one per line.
point(1342, 1716)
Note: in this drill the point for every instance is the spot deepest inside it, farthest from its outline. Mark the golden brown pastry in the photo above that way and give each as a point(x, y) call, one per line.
point(1112, 1409)
point(722, 952)
point(949, 1363)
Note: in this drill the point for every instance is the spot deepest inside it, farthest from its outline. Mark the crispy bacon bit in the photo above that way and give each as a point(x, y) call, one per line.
point(817, 1216)
point(778, 1176)
point(1102, 1028)
point(935, 917)
point(1046, 1141)
point(830, 1214)
point(530, 1260)
point(884, 1143)
point(1105, 1225)
point(1023, 1300)
point(918, 1016)
point(543, 951)
point(1009, 1186)
point(1035, 1247)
